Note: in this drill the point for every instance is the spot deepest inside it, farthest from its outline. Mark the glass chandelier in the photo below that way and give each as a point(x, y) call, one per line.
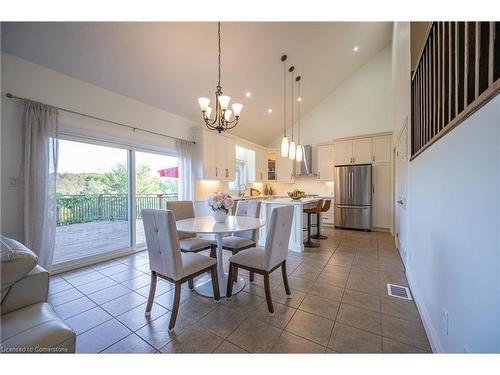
point(223, 116)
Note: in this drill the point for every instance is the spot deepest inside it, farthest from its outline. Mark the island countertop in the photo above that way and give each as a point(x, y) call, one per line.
point(288, 201)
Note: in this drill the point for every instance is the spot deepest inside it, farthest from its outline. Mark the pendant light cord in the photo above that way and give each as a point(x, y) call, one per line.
point(298, 111)
point(284, 98)
point(292, 102)
point(218, 31)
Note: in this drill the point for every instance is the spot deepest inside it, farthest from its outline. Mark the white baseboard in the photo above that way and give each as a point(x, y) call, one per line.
point(432, 335)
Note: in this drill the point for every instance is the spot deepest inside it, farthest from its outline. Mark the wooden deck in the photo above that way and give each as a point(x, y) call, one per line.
point(88, 239)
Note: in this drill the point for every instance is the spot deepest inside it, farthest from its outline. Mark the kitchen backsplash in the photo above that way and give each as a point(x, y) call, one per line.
point(309, 186)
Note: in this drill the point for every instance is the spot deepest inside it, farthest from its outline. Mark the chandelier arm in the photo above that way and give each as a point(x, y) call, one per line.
point(218, 30)
point(230, 127)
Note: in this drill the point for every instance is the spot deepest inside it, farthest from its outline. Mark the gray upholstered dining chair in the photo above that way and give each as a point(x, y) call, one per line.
point(247, 239)
point(168, 262)
point(189, 242)
point(265, 260)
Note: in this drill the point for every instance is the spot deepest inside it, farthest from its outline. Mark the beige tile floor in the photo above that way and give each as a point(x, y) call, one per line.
point(339, 304)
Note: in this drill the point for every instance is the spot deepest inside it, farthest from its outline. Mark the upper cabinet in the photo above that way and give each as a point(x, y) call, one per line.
point(260, 165)
point(215, 156)
point(381, 149)
point(272, 165)
point(324, 162)
point(362, 151)
point(284, 168)
point(366, 150)
point(343, 152)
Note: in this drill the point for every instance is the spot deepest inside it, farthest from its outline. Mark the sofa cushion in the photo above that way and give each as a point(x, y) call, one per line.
point(16, 262)
point(36, 329)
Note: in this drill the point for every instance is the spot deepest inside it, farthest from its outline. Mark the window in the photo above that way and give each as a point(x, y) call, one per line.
point(100, 197)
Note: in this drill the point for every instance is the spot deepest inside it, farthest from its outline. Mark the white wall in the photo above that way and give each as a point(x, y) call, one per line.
point(453, 221)
point(360, 105)
point(26, 79)
point(454, 234)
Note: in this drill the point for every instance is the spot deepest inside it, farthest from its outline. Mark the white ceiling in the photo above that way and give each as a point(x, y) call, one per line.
point(170, 64)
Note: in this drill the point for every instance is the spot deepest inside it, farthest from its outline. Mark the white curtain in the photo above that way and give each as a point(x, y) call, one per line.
point(186, 177)
point(40, 172)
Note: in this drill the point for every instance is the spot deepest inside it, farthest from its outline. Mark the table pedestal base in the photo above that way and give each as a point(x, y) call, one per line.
point(204, 287)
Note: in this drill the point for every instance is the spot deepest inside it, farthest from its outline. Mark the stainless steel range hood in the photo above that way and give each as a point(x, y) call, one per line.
point(305, 168)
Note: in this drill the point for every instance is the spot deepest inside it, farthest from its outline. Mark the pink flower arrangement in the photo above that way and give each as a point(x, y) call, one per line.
point(220, 201)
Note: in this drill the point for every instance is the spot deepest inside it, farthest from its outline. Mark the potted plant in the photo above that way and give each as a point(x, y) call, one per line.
point(220, 203)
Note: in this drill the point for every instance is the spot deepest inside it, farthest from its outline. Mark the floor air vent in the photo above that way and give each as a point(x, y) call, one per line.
point(398, 291)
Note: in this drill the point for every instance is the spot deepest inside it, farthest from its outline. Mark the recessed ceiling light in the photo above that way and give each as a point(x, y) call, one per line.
point(248, 94)
point(299, 99)
point(270, 110)
point(355, 49)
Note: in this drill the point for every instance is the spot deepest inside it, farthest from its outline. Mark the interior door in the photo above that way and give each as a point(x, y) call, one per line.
point(401, 193)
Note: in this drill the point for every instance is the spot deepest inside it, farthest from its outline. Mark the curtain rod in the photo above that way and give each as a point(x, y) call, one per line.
point(134, 128)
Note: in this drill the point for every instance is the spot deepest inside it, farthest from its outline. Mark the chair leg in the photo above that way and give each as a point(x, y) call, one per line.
point(215, 282)
point(191, 283)
point(235, 278)
point(175, 307)
point(213, 253)
point(152, 290)
point(229, 289)
point(252, 277)
point(309, 243)
point(269, 300)
point(285, 279)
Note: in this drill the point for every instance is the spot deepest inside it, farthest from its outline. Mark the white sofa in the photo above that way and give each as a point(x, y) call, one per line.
point(28, 322)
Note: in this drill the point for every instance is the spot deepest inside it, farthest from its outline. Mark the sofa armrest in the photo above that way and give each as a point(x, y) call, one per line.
point(33, 288)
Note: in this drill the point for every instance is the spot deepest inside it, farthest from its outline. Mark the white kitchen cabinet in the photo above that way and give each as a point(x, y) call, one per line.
point(215, 156)
point(353, 151)
point(284, 168)
point(260, 165)
point(381, 149)
point(381, 195)
point(343, 152)
point(272, 165)
point(324, 162)
point(362, 151)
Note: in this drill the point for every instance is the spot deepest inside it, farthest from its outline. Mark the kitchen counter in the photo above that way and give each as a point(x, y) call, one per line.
point(296, 235)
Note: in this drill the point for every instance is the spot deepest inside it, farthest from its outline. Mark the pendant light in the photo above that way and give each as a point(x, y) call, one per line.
point(300, 151)
point(292, 149)
point(284, 141)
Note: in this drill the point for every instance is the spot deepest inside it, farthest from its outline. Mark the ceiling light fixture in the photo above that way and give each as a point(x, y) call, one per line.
point(292, 149)
point(284, 141)
point(355, 49)
point(248, 94)
point(300, 151)
point(270, 110)
point(222, 119)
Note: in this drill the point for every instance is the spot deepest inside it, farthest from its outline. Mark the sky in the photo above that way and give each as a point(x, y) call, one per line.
point(77, 157)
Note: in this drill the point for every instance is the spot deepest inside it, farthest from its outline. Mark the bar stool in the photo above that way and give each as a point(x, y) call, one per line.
point(325, 208)
point(309, 212)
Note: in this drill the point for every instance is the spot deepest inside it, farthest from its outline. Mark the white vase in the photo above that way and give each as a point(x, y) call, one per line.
point(220, 216)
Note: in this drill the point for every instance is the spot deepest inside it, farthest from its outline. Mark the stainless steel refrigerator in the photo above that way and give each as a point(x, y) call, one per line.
point(353, 197)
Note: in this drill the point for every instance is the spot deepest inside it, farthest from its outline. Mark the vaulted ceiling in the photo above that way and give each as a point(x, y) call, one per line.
point(170, 64)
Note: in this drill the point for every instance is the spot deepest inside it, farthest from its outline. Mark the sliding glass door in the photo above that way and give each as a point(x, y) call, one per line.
point(102, 189)
point(93, 201)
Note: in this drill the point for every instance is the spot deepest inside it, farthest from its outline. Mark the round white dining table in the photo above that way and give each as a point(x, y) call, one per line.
point(207, 225)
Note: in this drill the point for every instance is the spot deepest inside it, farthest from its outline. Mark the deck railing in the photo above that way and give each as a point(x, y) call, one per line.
point(72, 209)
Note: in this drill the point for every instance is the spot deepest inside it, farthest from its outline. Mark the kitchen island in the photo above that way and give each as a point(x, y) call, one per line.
point(296, 235)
